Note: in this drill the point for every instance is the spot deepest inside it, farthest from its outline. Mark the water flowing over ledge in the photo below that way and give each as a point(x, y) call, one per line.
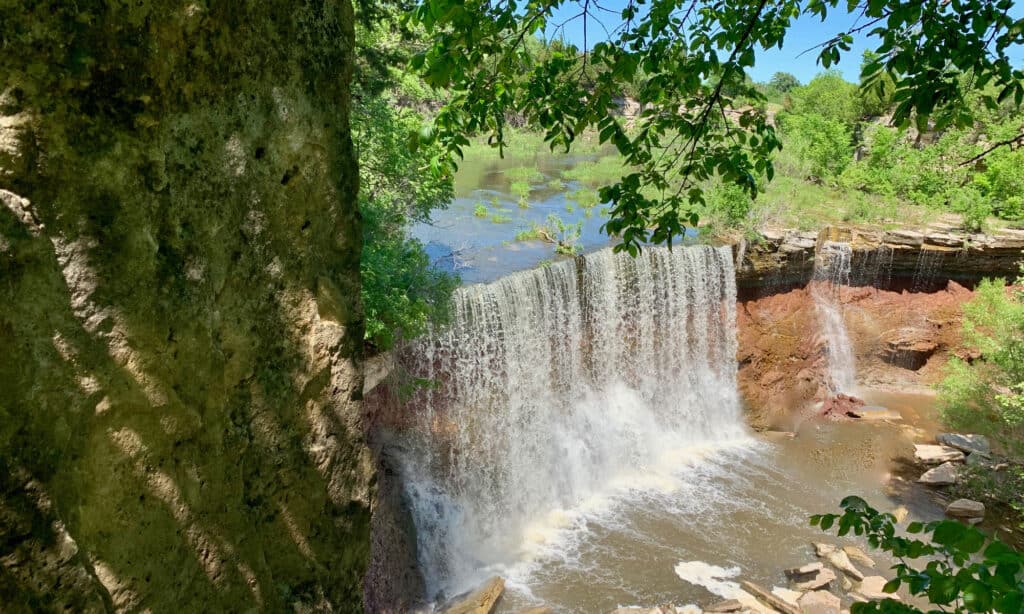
point(557, 385)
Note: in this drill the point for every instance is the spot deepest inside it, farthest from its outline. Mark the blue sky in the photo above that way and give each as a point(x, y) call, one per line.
point(806, 32)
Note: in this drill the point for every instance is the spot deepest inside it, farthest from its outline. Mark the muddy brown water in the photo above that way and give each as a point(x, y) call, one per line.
point(743, 508)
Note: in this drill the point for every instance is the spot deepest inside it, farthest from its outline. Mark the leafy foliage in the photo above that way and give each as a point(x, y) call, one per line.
point(822, 144)
point(693, 59)
point(986, 395)
point(830, 96)
point(402, 293)
point(957, 569)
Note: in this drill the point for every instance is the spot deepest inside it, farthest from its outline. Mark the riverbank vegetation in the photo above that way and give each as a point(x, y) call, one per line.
point(983, 392)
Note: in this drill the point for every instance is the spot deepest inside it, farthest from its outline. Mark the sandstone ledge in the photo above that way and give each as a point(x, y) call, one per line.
point(780, 258)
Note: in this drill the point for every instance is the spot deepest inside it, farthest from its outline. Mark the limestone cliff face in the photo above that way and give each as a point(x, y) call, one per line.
point(180, 325)
point(781, 258)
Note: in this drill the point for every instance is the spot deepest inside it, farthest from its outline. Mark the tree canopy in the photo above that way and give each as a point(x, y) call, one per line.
point(695, 57)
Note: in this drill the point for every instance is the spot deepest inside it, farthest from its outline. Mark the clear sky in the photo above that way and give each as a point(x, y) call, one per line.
point(806, 32)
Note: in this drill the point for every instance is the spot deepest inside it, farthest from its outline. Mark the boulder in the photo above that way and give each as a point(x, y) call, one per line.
point(870, 589)
point(821, 579)
point(900, 512)
point(935, 455)
point(804, 572)
point(943, 475)
point(858, 556)
point(483, 600)
point(840, 561)
point(968, 444)
point(822, 549)
point(729, 605)
point(976, 459)
point(966, 509)
point(819, 602)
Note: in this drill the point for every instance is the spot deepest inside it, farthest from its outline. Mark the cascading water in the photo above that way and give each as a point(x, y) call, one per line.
point(929, 263)
point(831, 272)
point(557, 386)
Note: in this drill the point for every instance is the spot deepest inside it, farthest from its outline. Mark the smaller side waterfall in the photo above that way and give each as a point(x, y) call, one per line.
point(929, 263)
point(831, 272)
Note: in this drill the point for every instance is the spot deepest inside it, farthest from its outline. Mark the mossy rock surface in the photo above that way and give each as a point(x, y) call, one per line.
point(181, 327)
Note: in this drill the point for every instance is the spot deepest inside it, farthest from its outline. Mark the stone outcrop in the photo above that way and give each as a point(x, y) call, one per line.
point(180, 425)
point(781, 258)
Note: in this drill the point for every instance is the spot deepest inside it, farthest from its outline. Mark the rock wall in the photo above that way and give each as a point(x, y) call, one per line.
point(901, 341)
point(180, 325)
point(903, 309)
point(780, 259)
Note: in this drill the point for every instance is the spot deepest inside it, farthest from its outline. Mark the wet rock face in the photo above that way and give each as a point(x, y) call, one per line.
point(901, 339)
point(179, 242)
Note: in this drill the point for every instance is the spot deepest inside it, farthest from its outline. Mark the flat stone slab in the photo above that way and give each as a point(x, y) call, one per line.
point(804, 571)
point(483, 600)
point(943, 475)
point(820, 580)
point(966, 509)
point(790, 597)
point(904, 237)
point(729, 605)
point(935, 455)
point(968, 444)
point(819, 602)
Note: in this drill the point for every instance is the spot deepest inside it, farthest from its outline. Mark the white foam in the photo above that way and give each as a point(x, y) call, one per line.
point(711, 577)
point(564, 393)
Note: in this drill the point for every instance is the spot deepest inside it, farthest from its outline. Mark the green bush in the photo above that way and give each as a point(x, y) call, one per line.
point(728, 203)
point(480, 210)
point(823, 146)
point(986, 394)
point(1002, 182)
point(402, 294)
point(829, 96)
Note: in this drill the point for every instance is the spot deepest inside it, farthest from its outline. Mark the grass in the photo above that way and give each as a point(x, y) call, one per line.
point(498, 218)
point(480, 210)
point(524, 174)
point(585, 198)
point(520, 188)
point(596, 173)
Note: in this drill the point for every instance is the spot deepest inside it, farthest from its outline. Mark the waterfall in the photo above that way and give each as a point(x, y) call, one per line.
point(557, 386)
point(929, 263)
point(831, 272)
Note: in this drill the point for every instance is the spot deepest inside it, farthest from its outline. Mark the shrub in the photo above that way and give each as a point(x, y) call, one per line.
point(986, 395)
point(823, 146)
